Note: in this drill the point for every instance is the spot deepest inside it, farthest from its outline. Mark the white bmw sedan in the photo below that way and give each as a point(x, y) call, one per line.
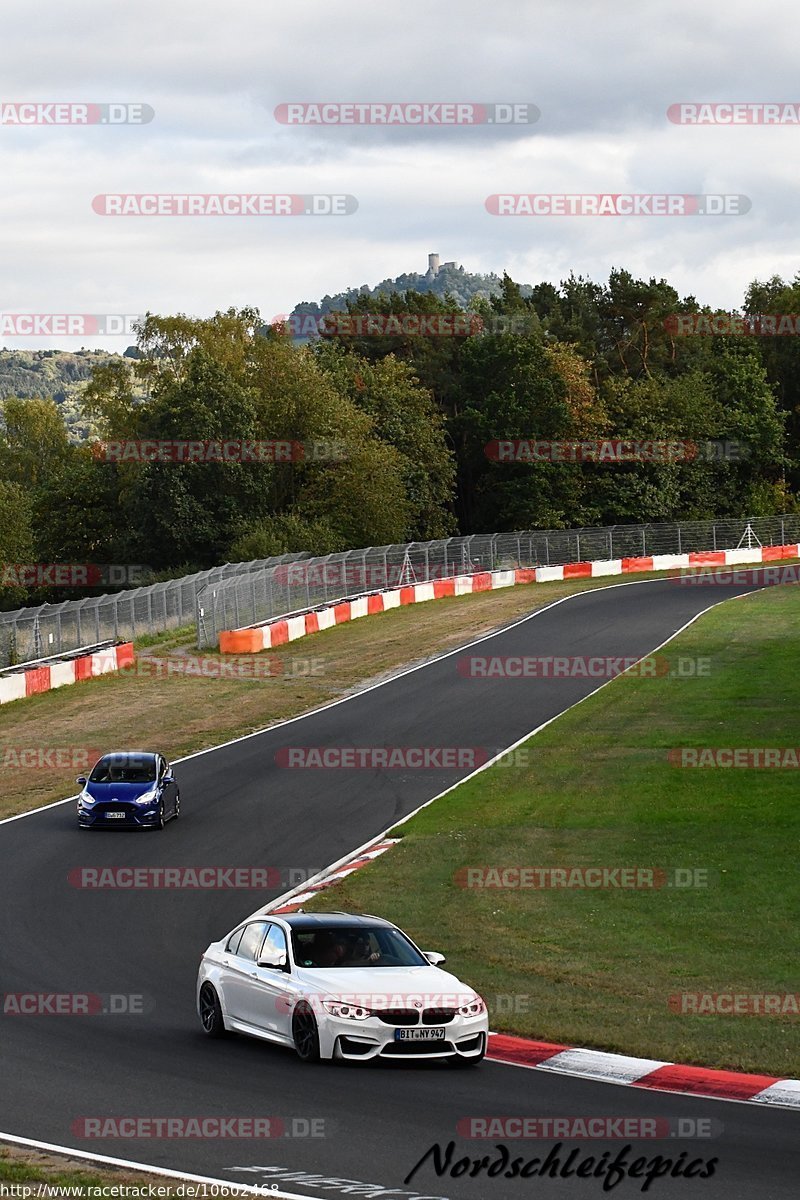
point(332, 985)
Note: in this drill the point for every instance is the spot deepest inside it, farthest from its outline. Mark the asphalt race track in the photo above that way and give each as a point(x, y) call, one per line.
point(241, 809)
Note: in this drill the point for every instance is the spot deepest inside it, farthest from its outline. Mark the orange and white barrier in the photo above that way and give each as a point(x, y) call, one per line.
point(61, 672)
point(288, 629)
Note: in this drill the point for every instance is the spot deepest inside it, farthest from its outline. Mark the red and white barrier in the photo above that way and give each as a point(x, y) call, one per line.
point(277, 633)
point(60, 673)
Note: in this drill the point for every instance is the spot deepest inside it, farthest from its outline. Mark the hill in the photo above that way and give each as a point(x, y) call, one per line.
point(58, 374)
point(441, 280)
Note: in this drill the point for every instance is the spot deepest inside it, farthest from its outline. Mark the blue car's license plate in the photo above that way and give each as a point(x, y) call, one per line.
point(419, 1035)
point(115, 816)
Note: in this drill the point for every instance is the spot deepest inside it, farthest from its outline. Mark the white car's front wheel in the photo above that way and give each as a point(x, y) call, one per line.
point(211, 1012)
point(306, 1034)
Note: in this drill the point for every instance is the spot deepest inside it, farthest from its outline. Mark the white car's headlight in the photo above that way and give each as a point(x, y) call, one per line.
point(353, 1012)
point(473, 1009)
point(147, 798)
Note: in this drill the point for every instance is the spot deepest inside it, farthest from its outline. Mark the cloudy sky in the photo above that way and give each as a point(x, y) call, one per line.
point(602, 75)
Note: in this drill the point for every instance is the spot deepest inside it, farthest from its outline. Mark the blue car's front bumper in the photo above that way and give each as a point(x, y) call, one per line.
point(118, 816)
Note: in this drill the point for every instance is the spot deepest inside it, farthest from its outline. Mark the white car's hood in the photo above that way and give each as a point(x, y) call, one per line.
point(395, 987)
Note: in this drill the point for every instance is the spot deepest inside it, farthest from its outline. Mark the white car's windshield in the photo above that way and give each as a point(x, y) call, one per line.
point(354, 946)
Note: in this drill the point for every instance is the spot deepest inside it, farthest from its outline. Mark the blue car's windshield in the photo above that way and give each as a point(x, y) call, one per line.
point(116, 769)
point(354, 946)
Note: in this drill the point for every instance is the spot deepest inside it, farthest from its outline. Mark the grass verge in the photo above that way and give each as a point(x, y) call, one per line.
point(597, 788)
point(53, 1176)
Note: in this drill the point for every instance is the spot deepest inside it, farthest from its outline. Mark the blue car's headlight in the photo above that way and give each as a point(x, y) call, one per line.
point(85, 799)
point(147, 798)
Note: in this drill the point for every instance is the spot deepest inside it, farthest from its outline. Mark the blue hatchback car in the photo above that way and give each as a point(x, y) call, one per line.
point(130, 789)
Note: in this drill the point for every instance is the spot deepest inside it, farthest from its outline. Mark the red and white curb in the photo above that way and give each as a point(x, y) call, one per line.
point(596, 1065)
point(361, 859)
point(254, 638)
point(645, 1072)
point(31, 681)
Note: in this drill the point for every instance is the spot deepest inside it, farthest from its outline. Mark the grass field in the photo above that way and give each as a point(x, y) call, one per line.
point(72, 1178)
point(183, 712)
point(597, 788)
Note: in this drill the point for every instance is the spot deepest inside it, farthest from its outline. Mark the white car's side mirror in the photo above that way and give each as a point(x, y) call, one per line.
point(434, 957)
point(278, 962)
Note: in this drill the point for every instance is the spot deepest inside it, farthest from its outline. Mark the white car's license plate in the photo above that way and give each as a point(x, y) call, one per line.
point(115, 816)
point(419, 1035)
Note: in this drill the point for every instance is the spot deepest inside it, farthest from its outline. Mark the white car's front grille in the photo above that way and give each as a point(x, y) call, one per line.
point(416, 1016)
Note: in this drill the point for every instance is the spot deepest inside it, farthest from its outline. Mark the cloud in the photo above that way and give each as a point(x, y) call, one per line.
point(602, 76)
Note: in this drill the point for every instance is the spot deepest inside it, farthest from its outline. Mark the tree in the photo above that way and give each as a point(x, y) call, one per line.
point(16, 538)
point(33, 441)
point(404, 415)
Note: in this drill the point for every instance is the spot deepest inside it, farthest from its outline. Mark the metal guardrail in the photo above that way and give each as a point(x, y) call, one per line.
point(66, 656)
point(281, 589)
point(239, 594)
point(52, 629)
